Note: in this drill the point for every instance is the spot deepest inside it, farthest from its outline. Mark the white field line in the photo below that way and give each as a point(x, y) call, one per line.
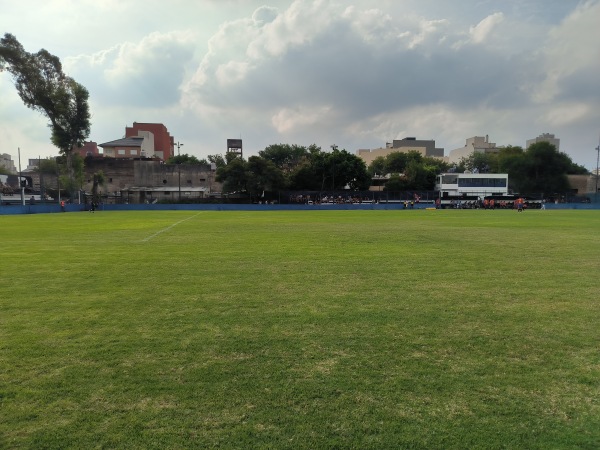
point(168, 228)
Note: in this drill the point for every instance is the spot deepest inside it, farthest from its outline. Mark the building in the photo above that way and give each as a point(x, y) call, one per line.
point(408, 144)
point(7, 163)
point(163, 144)
point(545, 137)
point(473, 144)
point(455, 185)
point(130, 147)
point(147, 180)
point(142, 140)
point(88, 149)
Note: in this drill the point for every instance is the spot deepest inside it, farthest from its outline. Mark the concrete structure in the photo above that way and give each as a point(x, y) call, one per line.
point(234, 147)
point(142, 180)
point(583, 184)
point(408, 144)
point(163, 145)
point(473, 144)
point(545, 137)
point(7, 162)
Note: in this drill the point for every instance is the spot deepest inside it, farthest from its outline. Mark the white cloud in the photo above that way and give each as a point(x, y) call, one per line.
point(148, 72)
point(287, 120)
point(483, 29)
point(571, 56)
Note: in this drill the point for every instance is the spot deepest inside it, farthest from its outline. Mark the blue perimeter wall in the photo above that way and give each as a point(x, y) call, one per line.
point(53, 208)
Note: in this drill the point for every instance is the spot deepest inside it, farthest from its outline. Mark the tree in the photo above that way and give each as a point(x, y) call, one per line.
point(479, 162)
point(263, 175)
point(286, 157)
point(71, 180)
point(43, 87)
point(98, 180)
point(377, 166)
point(234, 176)
point(184, 159)
point(396, 162)
point(217, 160)
point(545, 170)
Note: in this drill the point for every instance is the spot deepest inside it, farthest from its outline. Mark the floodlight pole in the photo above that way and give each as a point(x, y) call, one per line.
point(178, 145)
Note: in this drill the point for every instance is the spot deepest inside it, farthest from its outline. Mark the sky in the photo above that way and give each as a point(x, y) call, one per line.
point(355, 73)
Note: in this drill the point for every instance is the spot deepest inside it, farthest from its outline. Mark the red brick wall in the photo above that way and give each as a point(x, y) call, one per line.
point(163, 141)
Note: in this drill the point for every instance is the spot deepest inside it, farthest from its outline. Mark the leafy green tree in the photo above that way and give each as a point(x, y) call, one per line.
point(71, 180)
point(217, 160)
point(184, 159)
point(481, 162)
point(234, 176)
point(43, 87)
point(409, 170)
point(396, 183)
point(286, 157)
point(377, 166)
point(545, 170)
point(420, 177)
point(349, 170)
point(305, 176)
point(263, 175)
point(396, 162)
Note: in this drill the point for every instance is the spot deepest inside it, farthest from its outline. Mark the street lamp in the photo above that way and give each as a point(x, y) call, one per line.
point(178, 145)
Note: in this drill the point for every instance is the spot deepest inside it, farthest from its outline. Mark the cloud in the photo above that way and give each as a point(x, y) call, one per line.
point(355, 73)
point(146, 73)
point(287, 119)
point(483, 29)
point(571, 58)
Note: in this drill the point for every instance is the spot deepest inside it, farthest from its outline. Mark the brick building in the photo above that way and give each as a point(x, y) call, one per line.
point(164, 143)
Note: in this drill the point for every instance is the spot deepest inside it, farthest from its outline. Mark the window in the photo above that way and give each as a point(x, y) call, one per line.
point(449, 179)
point(133, 152)
point(121, 151)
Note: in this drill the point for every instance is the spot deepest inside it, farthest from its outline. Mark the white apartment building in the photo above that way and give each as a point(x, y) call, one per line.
point(545, 137)
point(473, 144)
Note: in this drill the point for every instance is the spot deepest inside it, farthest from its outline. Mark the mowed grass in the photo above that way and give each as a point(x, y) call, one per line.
point(326, 329)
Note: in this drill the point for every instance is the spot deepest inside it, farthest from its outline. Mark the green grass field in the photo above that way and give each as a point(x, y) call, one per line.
point(334, 329)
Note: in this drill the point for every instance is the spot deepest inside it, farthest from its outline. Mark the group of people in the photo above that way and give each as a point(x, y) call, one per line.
point(518, 204)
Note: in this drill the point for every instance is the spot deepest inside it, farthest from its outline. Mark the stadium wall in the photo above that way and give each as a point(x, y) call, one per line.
point(53, 208)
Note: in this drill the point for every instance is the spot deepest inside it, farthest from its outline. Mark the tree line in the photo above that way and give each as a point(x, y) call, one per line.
point(541, 168)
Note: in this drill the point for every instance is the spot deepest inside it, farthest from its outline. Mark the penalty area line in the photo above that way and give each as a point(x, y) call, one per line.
point(168, 228)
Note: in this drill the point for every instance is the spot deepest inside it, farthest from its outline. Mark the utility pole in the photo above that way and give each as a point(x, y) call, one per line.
point(597, 172)
point(333, 150)
point(21, 187)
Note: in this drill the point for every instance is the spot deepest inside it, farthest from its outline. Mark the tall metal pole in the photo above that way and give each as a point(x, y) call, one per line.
point(178, 145)
point(597, 172)
point(179, 176)
point(21, 187)
point(333, 149)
